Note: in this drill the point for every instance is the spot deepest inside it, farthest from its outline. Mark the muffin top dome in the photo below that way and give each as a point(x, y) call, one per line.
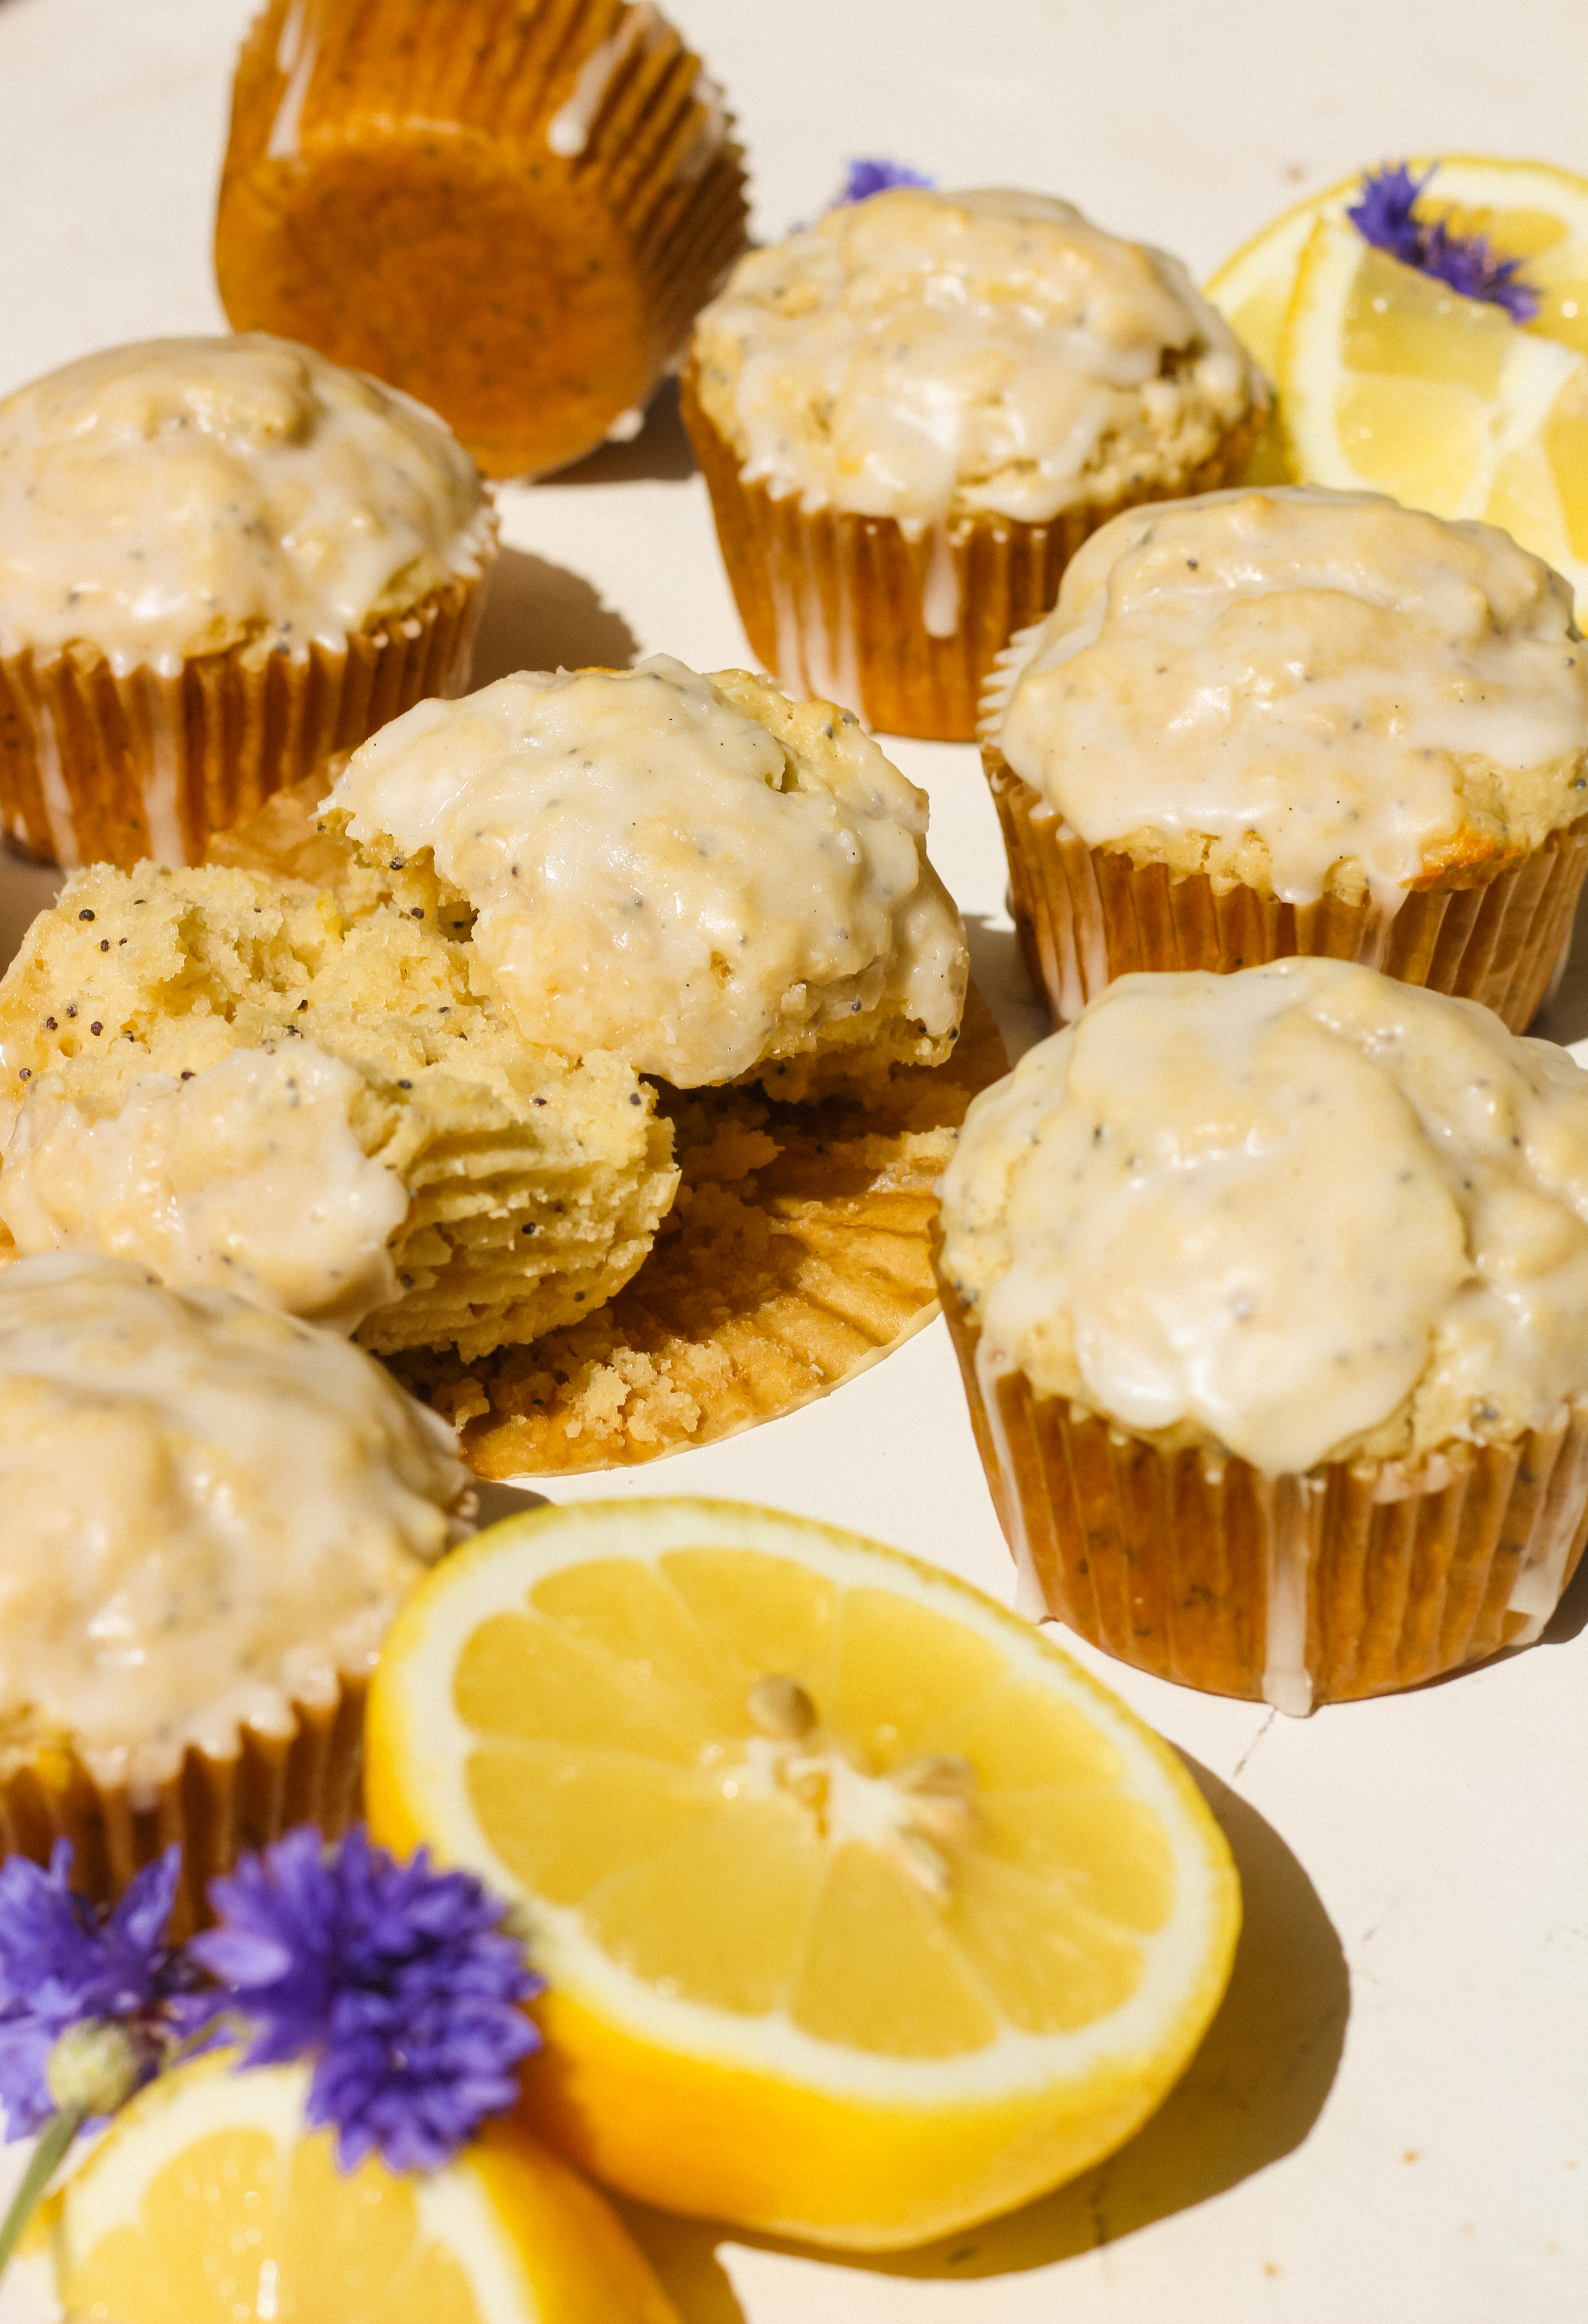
point(692, 872)
point(175, 497)
point(1303, 691)
point(921, 355)
point(1300, 1213)
point(211, 1510)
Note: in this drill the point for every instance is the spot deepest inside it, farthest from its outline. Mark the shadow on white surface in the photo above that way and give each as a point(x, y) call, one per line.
point(1570, 1617)
point(1250, 2097)
point(540, 616)
point(498, 1501)
point(998, 974)
point(660, 453)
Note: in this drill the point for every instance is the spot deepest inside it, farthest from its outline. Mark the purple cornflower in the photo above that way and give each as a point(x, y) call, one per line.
point(65, 1962)
point(1385, 214)
point(395, 1977)
point(867, 176)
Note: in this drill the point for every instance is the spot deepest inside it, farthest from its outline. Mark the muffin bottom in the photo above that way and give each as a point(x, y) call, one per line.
point(513, 213)
point(310, 1771)
point(797, 1256)
point(850, 609)
point(1357, 1579)
point(1086, 915)
point(98, 768)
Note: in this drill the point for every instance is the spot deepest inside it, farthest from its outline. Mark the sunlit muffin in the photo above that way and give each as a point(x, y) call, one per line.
point(221, 1075)
point(695, 873)
point(221, 562)
point(513, 213)
point(212, 1514)
point(1270, 1297)
point(730, 892)
point(913, 413)
point(1297, 721)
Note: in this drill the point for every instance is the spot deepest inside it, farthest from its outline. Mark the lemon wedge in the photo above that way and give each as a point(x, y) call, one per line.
point(865, 1913)
point(1390, 380)
point(208, 2201)
point(1525, 210)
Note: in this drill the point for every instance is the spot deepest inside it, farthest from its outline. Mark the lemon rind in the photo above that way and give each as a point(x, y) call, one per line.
point(425, 1763)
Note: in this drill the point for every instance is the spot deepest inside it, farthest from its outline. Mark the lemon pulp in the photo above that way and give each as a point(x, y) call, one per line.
point(208, 2202)
point(789, 1813)
point(1390, 380)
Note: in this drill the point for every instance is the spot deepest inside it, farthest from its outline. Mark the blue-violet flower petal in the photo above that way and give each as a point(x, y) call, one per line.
point(394, 1978)
point(64, 1960)
point(871, 175)
point(1385, 214)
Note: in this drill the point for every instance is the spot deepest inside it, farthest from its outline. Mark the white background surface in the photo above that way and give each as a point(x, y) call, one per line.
point(1389, 2119)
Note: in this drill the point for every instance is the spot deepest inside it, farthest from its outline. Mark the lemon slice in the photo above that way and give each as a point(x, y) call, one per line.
point(1524, 210)
point(208, 2201)
point(1253, 290)
point(865, 1913)
point(1524, 462)
point(1391, 380)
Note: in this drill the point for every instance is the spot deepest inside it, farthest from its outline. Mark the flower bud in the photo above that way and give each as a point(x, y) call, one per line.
point(94, 2067)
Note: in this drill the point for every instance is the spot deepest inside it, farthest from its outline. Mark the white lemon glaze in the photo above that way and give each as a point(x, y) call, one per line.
point(1299, 1214)
point(656, 872)
point(169, 498)
point(245, 1176)
point(1304, 689)
point(930, 355)
point(211, 1511)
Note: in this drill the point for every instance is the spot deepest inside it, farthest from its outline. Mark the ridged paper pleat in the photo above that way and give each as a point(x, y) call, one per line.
point(797, 1255)
point(215, 1808)
point(98, 768)
point(1086, 915)
point(1356, 1580)
point(835, 604)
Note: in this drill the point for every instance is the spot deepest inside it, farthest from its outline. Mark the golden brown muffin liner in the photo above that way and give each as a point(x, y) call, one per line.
point(630, 236)
point(214, 1807)
point(95, 768)
point(1355, 1579)
point(1085, 916)
point(797, 1255)
point(834, 603)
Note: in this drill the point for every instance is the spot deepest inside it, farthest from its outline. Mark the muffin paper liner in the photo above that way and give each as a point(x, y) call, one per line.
point(601, 105)
point(797, 1255)
point(1085, 916)
point(848, 608)
point(1354, 1580)
point(95, 768)
point(310, 1772)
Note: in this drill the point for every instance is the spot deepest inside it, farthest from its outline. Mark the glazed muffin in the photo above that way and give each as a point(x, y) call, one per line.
point(711, 882)
point(213, 1514)
point(1297, 721)
point(1270, 1297)
point(221, 560)
point(220, 1075)
point(730, 892)
point(911, 415)
point(512, 212)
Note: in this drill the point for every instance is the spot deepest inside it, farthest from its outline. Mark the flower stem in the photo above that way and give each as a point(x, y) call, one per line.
point(56, 2135)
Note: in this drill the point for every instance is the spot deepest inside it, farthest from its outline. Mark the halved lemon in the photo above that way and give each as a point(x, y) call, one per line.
point(1390, 380)
point(208, 2201)
point(865, 1913)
